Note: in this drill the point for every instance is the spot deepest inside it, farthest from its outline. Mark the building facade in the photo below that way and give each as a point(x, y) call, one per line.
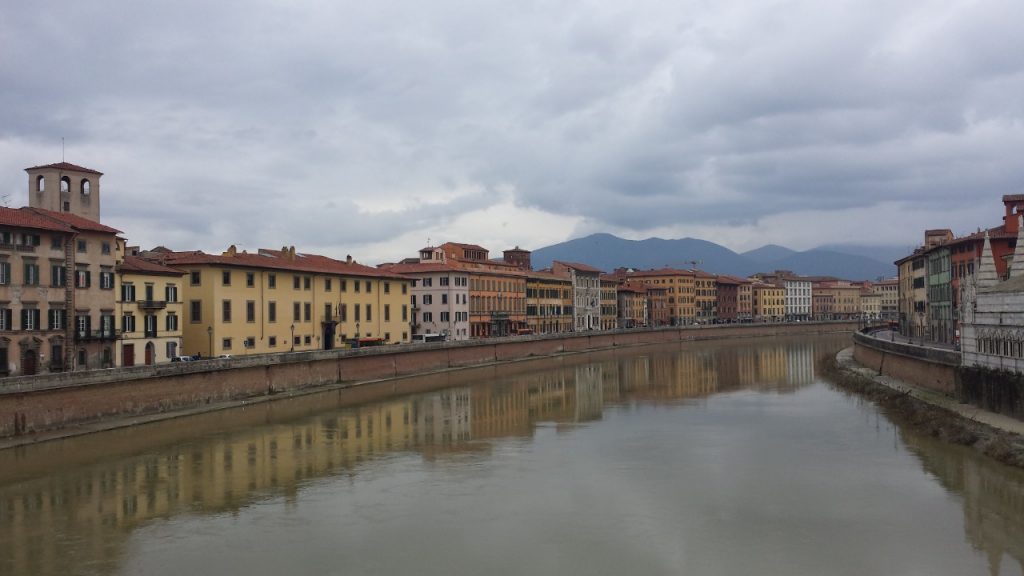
point(150, 310)
point(586, 286)
point(440, 298)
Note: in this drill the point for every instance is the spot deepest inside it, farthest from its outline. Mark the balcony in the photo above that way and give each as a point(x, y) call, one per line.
point(25, 248)
point(95, 335)
point(152, 304)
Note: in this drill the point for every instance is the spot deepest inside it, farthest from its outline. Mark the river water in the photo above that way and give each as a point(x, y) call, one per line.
point(710, 459)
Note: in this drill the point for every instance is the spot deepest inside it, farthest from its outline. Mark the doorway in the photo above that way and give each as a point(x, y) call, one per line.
point(128, 355)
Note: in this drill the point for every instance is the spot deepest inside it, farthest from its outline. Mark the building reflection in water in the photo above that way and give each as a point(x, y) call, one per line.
point(78, 518)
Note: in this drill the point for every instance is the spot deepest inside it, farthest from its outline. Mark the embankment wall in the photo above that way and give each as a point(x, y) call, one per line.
point(52, 401)
point(930, 368)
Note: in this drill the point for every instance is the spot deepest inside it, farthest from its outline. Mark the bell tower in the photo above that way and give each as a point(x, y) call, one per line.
point(65, 187)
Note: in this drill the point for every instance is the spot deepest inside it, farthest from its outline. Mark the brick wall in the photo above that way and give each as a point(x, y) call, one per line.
point(53, 401)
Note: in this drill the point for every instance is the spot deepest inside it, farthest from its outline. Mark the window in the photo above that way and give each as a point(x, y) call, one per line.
point(405, 313)
point(297, 340)
point(5, 273)
point(83, 278)
point(387, 336)
point(195, 311)
point(226, 344)
point(387, 313)
point(428, 299)
point(30, 319)
point(105, 248)
point(405, 287)
point(444, 298)
point(31, 274)
point(106, 280)
point(445, 317)
point(296, 311)
point(272, 341)
point(57, 318)
point(355, 308)
point(194, 278)
point(327, 284)
point(172, 349)
point(307, 282)
point(127, 292)
point(149, 324)
point(343, 312)
point(250, 279)
point(296, 282)
point(249, 342)
point(225, 277)
point(307, 339)
point(369, 313)
point(387, 287)
point(356, 285)
point(171, 293)
point(271, 281)
point(171, 322)
point(82, 246)
point(271, 311)
point(5, 320)
point(58, 276)
point(56, 242)
point(127, 323)
point(250, 311)
point(442, 281)
point(428, 317)
point(225, 307)
point(343, 285)
point(307, 310)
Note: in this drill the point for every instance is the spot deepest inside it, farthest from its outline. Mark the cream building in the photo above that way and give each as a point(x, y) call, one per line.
point(240, 303)
point(150, 311)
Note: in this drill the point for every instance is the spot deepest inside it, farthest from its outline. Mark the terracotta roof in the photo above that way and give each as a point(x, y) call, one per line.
point(25, 219)
point(659, 272)
point(136, 264)
point(579, 266)
point(702, 274)
point(66, 166)
point(418, 268)
point(636, 288)
point(75, 221)
point(546, 275)
point(275, 260)
point(466, 246)
point(1013, 198)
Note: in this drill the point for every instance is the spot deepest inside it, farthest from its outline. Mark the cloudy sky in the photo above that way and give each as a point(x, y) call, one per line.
point(367, 128)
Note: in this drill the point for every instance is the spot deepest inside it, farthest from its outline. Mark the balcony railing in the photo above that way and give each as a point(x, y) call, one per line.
point(89, 335)
point(152, 304)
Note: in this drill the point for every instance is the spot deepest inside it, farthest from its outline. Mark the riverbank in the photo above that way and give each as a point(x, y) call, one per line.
point(935, 414)
point(34, 409)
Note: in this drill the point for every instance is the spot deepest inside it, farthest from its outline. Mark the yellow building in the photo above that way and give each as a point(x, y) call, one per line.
point(680, 287)
point(705, 297)
point(609, 303)
point(769, 302)
point(150, 309)
point(281, 300)
point(845, 297)
point(548, 303)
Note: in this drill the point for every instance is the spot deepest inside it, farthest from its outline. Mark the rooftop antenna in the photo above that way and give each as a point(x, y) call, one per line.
point(62, 149)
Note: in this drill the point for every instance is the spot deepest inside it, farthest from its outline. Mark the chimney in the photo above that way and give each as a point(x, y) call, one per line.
point(231, 251)
point(348, 259)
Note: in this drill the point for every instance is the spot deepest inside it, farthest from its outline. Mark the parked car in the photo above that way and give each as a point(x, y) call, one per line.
point(183, 359)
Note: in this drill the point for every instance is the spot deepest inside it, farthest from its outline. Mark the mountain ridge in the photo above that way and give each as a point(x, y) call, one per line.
point(607, 252)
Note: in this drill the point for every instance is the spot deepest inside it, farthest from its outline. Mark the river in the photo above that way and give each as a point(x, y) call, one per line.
point(715, 458)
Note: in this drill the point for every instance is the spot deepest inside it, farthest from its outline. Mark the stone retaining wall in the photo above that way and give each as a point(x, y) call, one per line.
point(51, 401)
point(930, 368)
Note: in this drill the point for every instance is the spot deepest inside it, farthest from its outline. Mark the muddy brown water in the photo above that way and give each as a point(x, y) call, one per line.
point(710, 458)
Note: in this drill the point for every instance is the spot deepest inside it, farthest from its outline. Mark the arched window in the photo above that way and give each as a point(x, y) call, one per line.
point(40, 183)
point(85, 186)
point(65, 184)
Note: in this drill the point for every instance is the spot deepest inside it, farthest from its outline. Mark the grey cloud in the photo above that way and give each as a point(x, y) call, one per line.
point(269, 120)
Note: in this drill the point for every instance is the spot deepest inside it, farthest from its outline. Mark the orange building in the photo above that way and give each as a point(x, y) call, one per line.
point(679, 286)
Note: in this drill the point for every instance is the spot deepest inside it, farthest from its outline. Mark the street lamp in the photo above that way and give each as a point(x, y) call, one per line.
point(293, 339)
point(209, 335)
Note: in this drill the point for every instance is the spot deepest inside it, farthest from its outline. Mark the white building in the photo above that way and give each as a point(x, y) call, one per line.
point(440, 295)
point(992, 325)
point(798, 298)
point(586, 285)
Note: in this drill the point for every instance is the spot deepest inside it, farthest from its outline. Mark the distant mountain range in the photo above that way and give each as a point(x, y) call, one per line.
point(608, 252)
